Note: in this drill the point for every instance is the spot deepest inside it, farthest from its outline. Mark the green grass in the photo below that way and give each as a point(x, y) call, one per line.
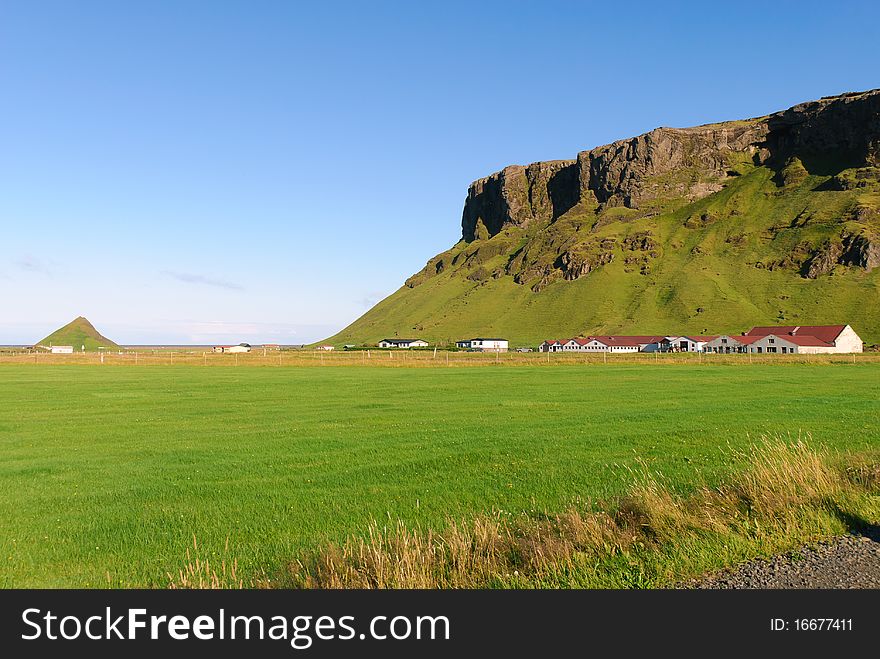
point(718, 277)
point(107, 474)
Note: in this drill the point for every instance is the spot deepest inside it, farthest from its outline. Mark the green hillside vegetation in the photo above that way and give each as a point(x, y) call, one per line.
point(78, 333)
point(707, 229)
point(770, 247)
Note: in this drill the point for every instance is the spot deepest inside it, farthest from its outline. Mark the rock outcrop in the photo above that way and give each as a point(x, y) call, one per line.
point(685, 164)
point(861, 251)
point(519, 195)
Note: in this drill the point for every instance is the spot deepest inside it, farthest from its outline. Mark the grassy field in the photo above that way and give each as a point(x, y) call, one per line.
point(107, 474)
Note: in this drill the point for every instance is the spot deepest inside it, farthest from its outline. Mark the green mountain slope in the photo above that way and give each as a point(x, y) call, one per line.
point(78, 333)
point(710, 229)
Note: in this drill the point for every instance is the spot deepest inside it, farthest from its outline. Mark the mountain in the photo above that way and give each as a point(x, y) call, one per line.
point(772, 220)
point(78, 333)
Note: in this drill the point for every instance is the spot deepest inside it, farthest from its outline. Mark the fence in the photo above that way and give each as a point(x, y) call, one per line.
point(411, 359)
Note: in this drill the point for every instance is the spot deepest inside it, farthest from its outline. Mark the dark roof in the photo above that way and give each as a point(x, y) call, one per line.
point(401, 340)
point(826, 333)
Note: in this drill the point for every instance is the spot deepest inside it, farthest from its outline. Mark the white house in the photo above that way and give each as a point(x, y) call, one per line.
point(808, 338)
point(547, 346)
point(403, 343)
point(481, 344)
point(241, 347)
point(61, 350)
point(324, 348)
point(685, 343)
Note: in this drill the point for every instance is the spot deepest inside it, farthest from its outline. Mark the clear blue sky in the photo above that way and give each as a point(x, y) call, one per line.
point(266, 171)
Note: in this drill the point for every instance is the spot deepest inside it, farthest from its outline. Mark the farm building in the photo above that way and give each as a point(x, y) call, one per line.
point(727, 344)
point(807, 339)
point(61, 350)
point(324, 348)
point(481, 344)
point(241, 347)
point(403, 343)
point(607, 343)
point(553, 345)
point(685, 343)
point(783, 340)
point(620, 343)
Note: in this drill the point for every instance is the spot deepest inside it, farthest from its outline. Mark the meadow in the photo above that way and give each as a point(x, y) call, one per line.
point(107, 474)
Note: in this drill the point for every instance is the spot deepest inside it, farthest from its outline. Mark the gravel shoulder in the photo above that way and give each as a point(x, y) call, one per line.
point(851, 561)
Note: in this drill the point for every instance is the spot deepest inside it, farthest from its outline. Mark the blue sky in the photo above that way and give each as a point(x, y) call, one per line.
point(266, 171)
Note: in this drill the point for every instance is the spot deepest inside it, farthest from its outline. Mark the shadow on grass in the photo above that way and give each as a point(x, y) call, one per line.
point(857, 525)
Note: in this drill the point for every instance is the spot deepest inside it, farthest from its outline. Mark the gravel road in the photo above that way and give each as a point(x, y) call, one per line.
point(851, 561)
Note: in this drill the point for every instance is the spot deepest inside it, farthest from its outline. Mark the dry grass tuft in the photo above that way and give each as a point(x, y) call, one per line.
point(200, 573)
point(782, 477)
point(783, 474)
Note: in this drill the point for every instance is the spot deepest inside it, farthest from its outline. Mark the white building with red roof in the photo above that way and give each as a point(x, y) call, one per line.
point(806, 339)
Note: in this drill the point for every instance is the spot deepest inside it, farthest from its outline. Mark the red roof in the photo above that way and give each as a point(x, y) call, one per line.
point(825, 333)
point(702, 339)
point(801, 340)
point(617, 340)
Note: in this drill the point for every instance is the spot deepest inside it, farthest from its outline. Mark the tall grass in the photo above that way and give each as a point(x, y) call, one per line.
point(201, 572)
point(783, 478)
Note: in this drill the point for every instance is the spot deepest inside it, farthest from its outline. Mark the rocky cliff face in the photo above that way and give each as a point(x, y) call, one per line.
point(677, 164)
point(520, 195)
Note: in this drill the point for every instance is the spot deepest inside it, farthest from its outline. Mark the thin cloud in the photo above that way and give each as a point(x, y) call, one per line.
point(33, 264)
point(189, 278)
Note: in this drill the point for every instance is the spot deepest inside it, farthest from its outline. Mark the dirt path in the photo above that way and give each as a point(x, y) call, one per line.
point(852, 561)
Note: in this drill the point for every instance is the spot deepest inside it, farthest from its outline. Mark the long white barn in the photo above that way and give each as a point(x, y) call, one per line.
point(789, 339)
